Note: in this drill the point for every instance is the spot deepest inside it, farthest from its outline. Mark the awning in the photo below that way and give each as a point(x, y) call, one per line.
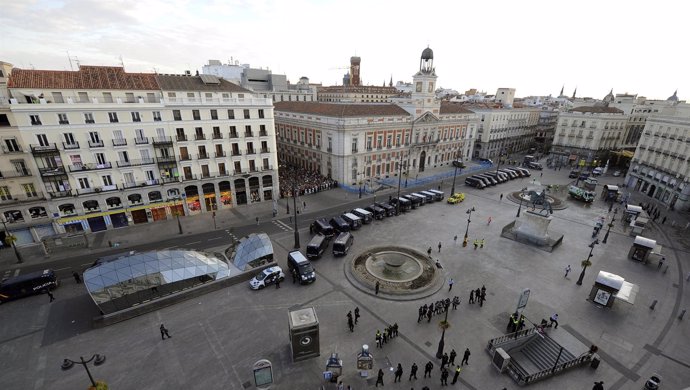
point(633, 209)
point(609, 187)
point(610, 280)
point(572, 157)
point(645, 242)
point(628, 293)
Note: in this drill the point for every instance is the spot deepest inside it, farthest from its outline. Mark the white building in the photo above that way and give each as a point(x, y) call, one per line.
point(100, 148)
point(505, 96)
point(638, 109)
point(503, 131)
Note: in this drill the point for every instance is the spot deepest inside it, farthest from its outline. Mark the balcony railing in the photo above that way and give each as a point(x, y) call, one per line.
point(206, 175)
point(50, 148)
point(97, 190)
point(51, 171)
point(251, 151)
point(267, 168)
point(265, 150)
point(63, 122)
point(133, 163)
point(88, 167)
point(220, 154)
point(96, 144)
point(70, 146)
point(222, 174)
point(190, 177)
point(253, 169)
point(186, 157)
point(181, 138)
point(164, 180)
point(162, 141)
point(236, 152)
point(24, 197)
point(202, 156)
point(60, 194)
point(217, 136)
point(9, 174)
point(7, 150)
point(119, 142)
point(263, 133)
point(165, 159)
point(199, 137)
point(233, 135)
point(248, 134)
point(141, 141)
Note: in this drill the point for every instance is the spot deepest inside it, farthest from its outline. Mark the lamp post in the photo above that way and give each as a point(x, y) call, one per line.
point(294, 207)
point(498, 164)
point(520, 207)
point(441, 343)
point(606, 237)
point(467, 230)
point(400, 169)
point(177, 214)
point(586, 263)
point(9, 238)
point(455, 163)
point(97, 361)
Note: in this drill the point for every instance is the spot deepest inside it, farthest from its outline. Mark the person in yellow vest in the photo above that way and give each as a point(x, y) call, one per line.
point(457, 374)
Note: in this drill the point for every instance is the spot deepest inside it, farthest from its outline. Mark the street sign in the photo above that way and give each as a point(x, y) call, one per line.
point(522, 302)
point(263, 374)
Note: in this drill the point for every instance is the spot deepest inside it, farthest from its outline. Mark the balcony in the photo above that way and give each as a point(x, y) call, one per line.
point(165, 159)
point(36, 123)
point(233, 134)
point(24, 198)
point(251, 151)
point(202, 156)
point(185, 157)
point(89, 121)
point(97, 190)
point(51, 171)
point(329, 150)
point(199, 137)
point(134, 163)
point(89, 167)
point(39, 149)
point(267, 168)
point(60, 194)
point(222, 174)
point(190, 177)
point(96, 144)
point(10, 174)
point(63, 122)
point(165, 180)
point(220, 154)
point(265, 150)
point(236, 153)
point(119, 142)
point(207, 175)
point(253, 169)
point(238, 172)
point(263, 133)
point(181, 138)
point(141, 141)
point(248, 134)
point(70, 146)
point(217, 136)
point(17, 149)
point(162, 141)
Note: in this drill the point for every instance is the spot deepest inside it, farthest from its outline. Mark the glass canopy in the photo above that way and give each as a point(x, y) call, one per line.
point(252, 251)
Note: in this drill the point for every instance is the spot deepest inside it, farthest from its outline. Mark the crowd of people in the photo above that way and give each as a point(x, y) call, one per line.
point(304, 181)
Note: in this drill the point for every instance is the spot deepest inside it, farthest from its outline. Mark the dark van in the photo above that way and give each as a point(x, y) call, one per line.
point(438, 195)
point(491, 180)
point(474, 182)
point(376, 211)
point(301, 266)
point(28, 284)
point(388, 208)
point(320, 226)
point(317, 246)
point(365, 215)
point(339, 224)
point(404, 204)
point(484, 180)
point(497, 176)
point(425, 198)
point(414, 201)
point(354, 221)
point(342, 244)
point(511, 173)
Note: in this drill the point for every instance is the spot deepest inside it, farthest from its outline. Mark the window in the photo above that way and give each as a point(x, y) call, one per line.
point(149, 175)
point(246, 114)
point(128, 178)
point(196, 115)
point(57, 97)
point(145, 154)
point(62, 119)
point(107, 180)
point(42, 139)
point(113, 117)
point(123, 156)
point(172, 95)
point(238, 167)
point(94, 137)
point(177, 115)
point(35, 119)
point(69, 139)
point(136, 117)
point(261, 113)
point(100, 158)
point(129, 97)
point(29, 190)
point(151, 97)
point(88, 118)
point(12, 145)
point(354, 145)
point(262, 130)
point(214, 114)
point(107, 97)
point(231, 114)
point(157, 116)
point(248, 131)
point(330, 144)
point(5, 193)
point(83, 183)
point(190, 95)
point(369, 143)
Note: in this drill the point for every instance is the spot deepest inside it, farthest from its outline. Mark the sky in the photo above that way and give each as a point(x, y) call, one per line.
point(535, 47)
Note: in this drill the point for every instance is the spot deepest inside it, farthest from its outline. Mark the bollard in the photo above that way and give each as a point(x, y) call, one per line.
point(682, 313)
point(665, 269)
point(653, 304)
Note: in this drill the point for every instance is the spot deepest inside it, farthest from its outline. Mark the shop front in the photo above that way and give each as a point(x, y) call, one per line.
point(119, 219)
point(159, 213)
point(139, 216)
point(97, 223)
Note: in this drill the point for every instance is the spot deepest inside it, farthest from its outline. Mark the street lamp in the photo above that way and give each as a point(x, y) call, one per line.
point(9, 238)
point(520, 207)
point(294, 206)
point(444, 325)
point(400, 169)
point(586, 263)
point(177, 213)
point(455, 163)
point(467, 230)
point(606, 237)
point(97, 361)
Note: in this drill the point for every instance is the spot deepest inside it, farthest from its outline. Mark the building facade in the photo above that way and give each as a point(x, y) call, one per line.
point(661, 165)
point(100, 148)
point(504, 131)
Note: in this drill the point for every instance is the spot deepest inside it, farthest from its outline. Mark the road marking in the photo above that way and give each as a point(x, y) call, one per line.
point(170, 247)
point(61, 269)
point(194, 242)
point(215, 238)
point(282, 225)
point(86, 264)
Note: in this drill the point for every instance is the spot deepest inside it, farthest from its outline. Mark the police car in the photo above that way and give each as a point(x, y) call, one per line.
point(267, 277)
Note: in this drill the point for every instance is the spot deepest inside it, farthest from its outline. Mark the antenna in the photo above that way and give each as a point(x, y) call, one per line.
point(122, 62)
point(70, 60)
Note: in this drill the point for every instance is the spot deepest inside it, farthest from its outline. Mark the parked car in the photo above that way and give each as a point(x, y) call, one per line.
point(584, 176)
point(456, 198)
point(267, 277)
point(597, 171)
point(616, 173)
point(574, 174)
point(486, 160)
point(458, 164)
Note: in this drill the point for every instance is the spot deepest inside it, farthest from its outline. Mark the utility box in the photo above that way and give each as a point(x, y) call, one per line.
point(304, 334)
point(500, 360)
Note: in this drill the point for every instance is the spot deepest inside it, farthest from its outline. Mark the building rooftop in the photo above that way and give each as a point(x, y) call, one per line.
point(87, 77)
point(454, 108)
point(341, 110)
point(597, 110)
point(169, 82)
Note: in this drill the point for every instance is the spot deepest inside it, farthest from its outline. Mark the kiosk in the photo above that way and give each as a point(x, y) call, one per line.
point(644, 249)
point(607, 287)
point(334, 368)
point(304, 334)
point(631, 212)
point(638, 224)
point(610, 193)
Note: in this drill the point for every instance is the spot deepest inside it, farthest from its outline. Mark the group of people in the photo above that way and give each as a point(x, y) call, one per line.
point(438, 307)
point(389, 332)
point(304, 181)
point(350, 322)
point(446, 362)
point(478, 296)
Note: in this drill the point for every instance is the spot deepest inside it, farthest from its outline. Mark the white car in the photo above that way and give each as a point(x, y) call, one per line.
point(267, 277)
point(617, 173)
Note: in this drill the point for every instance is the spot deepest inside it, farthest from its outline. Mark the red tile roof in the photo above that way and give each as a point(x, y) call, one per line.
point(87, 77)
point(195, 83)
point(454, 108)
point(598, 109)
point(340, 110)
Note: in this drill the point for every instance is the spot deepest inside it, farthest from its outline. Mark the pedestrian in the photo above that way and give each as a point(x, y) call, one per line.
point(481, 244)
point(294, 275)
point(379, 378)
point(356, 314)
point(661, 262)
point(456, 302)
point(257, 221)
point(377, 287)
point(567, 271)
point(395, 329)
point(663, 220)
point(483, 290)
point(77, 278)
point(291, 222)
point(444, 360)
point(384, 337)
point(164, 332)
point(350, 324)
point(598, 385)
point(427, 368)
point(476, 244)
point(428, 251)
point(457, 374)
point(451, 282)
point(277, 282)
point(501, 198)
point(50, 295)
point(304, 204)
point(444, 377)
point(541, 174)
point(554, 319)
point(421, 312)
point(455, 239)
point(439, 247)
point(477, 294)
point(398, 373)
point(471, 296)
point(453, 355)
point(379, 344)
point(413, 371)
point(466, 357)
point(489, 222)
point(482, 298)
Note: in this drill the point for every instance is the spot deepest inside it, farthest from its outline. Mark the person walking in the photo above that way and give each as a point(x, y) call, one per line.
point(413, 371)
point(456, 302)
point(598, 385)
point(457, 374)
point(444, 377)
point(377, 288)
point(257, 221)
point(481, 244)
point(76, 276)
point(465, 357)
point(350, 324)
point(379, 344)
point(439, 247)
point(451, 282)
point(164, 332)
point(471, 296)
point(501, 198)
point(453, 355)
point(427, 368)
point(489, 222)
point(277, 282)
point(428, 251)
point(379, 378)
point(50, 295)
point(567, 271)
point(554, 320)
point(398, 373)
point(476, 244)
point(444, 360)
point(661, 262)
point(356, 314)
point(455, 239)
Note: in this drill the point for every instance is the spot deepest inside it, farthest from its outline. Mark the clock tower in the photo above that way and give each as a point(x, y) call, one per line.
point(424, 85)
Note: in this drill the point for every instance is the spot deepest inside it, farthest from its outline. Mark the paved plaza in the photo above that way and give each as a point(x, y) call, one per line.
point(217, 337)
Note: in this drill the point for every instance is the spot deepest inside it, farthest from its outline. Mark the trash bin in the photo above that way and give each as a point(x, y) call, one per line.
point(595, 361)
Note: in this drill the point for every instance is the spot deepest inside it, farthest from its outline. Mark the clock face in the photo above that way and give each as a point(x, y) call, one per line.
point(304, 341)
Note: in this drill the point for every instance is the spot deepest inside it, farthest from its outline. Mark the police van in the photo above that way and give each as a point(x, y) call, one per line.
point(366, 216)
point(300, 265)
point(354, 221)
point(320, 226)
point(31, 283)
point(317, 246)
point(342, 244)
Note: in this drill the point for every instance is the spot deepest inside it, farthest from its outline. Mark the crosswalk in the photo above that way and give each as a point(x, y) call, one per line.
point(283, 226)
point(232, 235)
